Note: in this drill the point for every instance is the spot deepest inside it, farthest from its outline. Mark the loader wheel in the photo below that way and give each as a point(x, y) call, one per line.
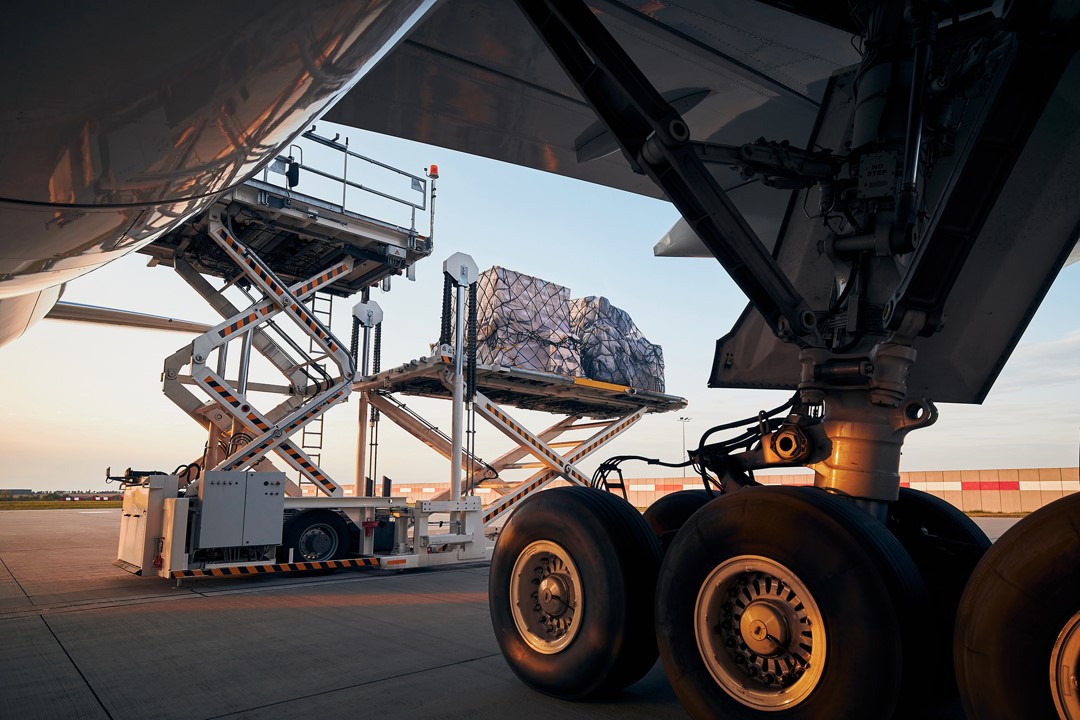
point(787, 603)
point(571, 593)
point(1017, 645)
point(315, 536)
point(946, 545)
point(668, 514)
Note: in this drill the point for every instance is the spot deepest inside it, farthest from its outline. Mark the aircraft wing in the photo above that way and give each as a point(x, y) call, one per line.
point(476, 77)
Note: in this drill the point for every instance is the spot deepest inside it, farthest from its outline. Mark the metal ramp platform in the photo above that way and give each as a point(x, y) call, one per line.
point(287, 254)
point(604, 408)
point(525, 389)
point(298, 235)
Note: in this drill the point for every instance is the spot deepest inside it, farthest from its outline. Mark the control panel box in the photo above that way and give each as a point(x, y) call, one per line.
point(240, 508)
point(264, 508)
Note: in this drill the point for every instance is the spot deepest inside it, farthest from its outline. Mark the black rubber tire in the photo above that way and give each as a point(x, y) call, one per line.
point(331, 522)
point(618, 559)
point(866, 586)
point(946, 545)
point(1017, 602)
point(668, 514)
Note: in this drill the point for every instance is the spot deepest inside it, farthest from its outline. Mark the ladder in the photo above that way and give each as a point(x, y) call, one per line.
point(321, 306)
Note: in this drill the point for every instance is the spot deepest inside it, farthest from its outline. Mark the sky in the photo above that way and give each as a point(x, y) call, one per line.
point(80, 397)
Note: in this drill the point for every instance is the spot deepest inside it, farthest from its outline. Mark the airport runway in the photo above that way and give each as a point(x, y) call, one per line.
point(83, 639)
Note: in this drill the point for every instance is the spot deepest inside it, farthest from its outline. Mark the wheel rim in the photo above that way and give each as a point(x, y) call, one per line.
point(545, 597)
point(1064, 662)
point(317, 542)
point(760, 633)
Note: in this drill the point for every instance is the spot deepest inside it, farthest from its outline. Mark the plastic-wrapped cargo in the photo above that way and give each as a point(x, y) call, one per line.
point(612, 348)
point(524, 322)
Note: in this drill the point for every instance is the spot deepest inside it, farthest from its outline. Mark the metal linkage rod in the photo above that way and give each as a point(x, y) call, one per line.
point(656, 141)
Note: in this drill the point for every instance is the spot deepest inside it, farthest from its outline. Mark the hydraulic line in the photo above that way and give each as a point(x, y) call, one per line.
point(354, 342)
point(376, 363)
point(445, 326)
point(470, 348)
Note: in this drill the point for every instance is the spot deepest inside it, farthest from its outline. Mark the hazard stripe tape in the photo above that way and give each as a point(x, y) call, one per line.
point(288, 447)
point(263, 569)
point(571, 458)
point(313, 326)
point(225, 394)
point(525, 435)
point(258, 422)
point(286, 430)
point(581, 452)
point(277, 289)
point(250, 262)
point(546, 477)
point(245, 321)
point(329, 275)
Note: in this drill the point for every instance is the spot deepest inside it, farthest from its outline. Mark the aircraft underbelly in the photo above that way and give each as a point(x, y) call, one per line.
point(126, 122)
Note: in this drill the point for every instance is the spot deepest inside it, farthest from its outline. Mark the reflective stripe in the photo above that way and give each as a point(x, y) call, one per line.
point(276, 567)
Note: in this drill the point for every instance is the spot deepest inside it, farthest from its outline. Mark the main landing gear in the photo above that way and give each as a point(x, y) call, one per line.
point(1017, 643)
point(571, 593)
point(776, 602)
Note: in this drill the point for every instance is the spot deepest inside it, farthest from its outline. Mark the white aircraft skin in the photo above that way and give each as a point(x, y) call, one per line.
point(127, 120)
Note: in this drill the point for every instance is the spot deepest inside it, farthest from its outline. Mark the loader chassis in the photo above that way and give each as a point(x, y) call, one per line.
point(933, 162)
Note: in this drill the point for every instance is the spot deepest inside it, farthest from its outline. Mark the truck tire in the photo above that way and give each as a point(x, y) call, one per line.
point(315, 536)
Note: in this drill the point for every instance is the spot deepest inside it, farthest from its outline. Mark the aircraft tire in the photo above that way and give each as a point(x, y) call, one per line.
point(668, 514)
point(946, 545)
point(1017, 621)
point(748, 571)
point(586, 629)
point(315, 536)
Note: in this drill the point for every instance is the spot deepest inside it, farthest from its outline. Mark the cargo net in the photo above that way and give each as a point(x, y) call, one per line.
point(612, 348)
point(524, 322)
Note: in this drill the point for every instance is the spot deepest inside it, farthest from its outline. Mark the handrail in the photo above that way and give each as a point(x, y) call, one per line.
point(310, 135)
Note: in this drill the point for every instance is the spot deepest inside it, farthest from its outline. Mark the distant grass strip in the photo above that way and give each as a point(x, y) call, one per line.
point(59, 504)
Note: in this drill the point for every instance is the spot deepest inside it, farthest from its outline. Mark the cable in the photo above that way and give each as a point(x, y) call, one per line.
point(599, 478)
point(763, 423)
point(376, 362)
point(746, 421)
point(470, 346)
point(718, 452)
point(445, 329)
point(354, 343)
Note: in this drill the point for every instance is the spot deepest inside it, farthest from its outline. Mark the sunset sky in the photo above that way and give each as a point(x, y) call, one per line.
point(81, 397)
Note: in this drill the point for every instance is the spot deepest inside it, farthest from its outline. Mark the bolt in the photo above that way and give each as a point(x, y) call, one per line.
point(198, 358)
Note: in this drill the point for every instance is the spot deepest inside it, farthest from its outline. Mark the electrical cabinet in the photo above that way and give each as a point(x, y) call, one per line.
point(240, 508)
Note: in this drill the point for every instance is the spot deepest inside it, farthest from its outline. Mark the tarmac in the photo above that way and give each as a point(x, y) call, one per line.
point(84, 639)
